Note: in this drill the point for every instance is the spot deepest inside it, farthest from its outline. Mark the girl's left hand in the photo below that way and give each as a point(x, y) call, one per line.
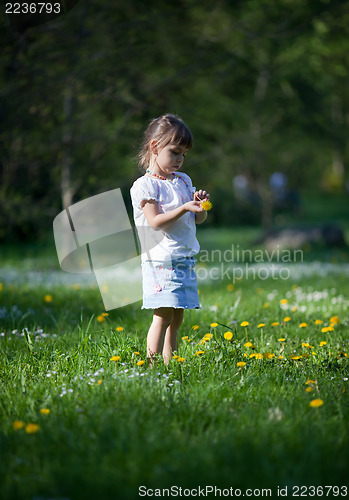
point(201, 195)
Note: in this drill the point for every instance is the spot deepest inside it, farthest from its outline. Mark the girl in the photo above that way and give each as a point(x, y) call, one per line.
point(166, 208)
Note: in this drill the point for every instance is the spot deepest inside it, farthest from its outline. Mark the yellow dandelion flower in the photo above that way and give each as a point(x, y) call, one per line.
point(203, 341)
point(214, 325)
point(294, 308)
point(119, 329)
point(48, 298)
point(230, 287)
point(309, 389)
point(141, 362)
point(310, 382)
point(199, 352)
point(206, 205)
point(115, 358)
point(318, 322)
point(330, 329)
point(281, 357)
point(207, 336)
point(275, 323)
point(99, 381)
point(314, 353)
point(283, 301)
point(228, 335)
point(282, 339)
point(105, 314)
point(18, 424)
point(245, 323)
point(185, 338)
point(136, 353)
point(241, 364)
point(303, 325)
point(100, 318)
point(295, 358)
point(322, 343)
point(248, 344)
point(268, 355)
point(175, 356)
point(287, 319)
point(258, 355)
point(195, 327)
point(45, 411)
point(305, 344)
point(180, 360)
point(316, 403)
point(334, 320)
point(324, 329)
point(266, 305)
point(261, 325)
point(32, 428)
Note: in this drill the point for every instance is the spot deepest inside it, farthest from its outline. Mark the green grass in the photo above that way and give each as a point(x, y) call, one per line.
point(114, 426)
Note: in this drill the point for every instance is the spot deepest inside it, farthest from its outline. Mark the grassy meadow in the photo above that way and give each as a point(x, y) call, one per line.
point(257, 396)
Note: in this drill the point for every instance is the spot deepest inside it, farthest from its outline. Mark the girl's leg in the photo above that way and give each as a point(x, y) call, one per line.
point(171, 337)
point(162, 318)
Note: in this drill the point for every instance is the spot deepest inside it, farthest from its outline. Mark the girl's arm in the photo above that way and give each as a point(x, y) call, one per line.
point(159, 220)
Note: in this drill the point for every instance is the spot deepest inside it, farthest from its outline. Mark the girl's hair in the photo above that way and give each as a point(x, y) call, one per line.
point(166, 129)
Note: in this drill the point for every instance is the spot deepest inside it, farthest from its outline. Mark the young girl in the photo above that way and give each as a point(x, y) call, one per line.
point(166, 208)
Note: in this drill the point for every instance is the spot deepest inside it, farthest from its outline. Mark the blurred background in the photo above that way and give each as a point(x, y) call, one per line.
point(263, 85)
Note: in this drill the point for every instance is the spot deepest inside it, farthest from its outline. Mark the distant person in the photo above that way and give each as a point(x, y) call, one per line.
point(166, 201)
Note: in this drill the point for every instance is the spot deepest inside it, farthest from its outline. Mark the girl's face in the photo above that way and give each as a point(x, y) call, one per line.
point(169, 159)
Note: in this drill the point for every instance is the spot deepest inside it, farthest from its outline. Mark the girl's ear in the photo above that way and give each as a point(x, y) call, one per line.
point(153, 147)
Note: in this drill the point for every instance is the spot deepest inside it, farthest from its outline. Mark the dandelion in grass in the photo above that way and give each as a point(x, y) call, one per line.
point(140, 362)
point(45, 411)
point(334, 320)
point(322, 343)
point(241, 364)
point(18, 424)
point(115, 358)
point(316, 403)
point(245, 323)
point(283, 301)
point(175, 356)
point(310, 382)
point(287, 319)
point(295, 358)
point(32, 428)
point(99, 382)
point(305, 344)
point(180, 360)
point(195, 327)
point(119, 328)
point(281, 357)
point(303, 325)
point(266, 305)
point(261, 325)
point(199, 353)
point(230, 287)
point(294, 308)
point(309, 389)
point(207, 336)
point(269, 355)
point(48, 298)
point(248, 344)
point(185, 337)
point(228, 335)
point(282, 339)
point(318, 322)
point(275, 323)
point(213, 325)
point(100, 318)
point(136, 353)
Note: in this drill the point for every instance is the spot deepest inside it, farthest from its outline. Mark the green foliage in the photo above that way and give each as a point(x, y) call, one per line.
point(263, 85)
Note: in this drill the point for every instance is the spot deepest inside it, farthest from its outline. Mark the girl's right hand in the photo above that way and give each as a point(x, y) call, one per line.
point(193, 206)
